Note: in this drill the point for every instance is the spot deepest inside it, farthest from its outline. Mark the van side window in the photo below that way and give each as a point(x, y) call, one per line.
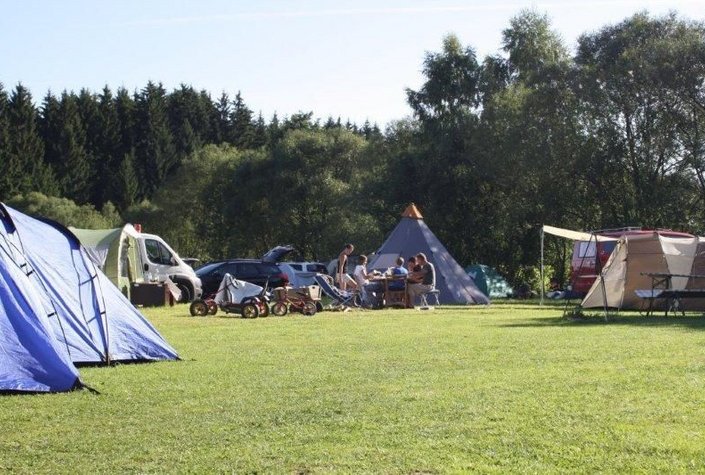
point(586, 249)
point(165, 254)
point(157, 253)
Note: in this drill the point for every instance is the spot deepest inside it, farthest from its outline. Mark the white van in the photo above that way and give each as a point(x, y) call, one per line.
point(126, 255)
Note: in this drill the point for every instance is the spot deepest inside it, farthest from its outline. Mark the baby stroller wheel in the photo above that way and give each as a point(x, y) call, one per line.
point(309, 308)
point(198, 308)
point(250, 310)
point(280, 309)
point(212, 307)
point(263, 309)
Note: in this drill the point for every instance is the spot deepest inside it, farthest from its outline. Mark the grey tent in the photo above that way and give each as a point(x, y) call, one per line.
point(412, 236)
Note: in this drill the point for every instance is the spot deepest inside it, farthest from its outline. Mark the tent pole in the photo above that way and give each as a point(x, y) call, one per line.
point(602, 280)
point(543, 285)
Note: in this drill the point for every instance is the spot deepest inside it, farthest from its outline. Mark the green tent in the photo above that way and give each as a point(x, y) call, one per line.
point(489, 281)
point(115, 252)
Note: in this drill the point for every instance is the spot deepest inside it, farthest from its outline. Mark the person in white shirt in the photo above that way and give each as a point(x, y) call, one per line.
point(362, 279)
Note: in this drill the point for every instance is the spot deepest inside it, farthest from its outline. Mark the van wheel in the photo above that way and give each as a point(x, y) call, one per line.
point(185, 293)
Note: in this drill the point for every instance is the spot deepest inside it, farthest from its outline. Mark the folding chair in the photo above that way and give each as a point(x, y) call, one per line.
point(340, 297)
point(434, 293)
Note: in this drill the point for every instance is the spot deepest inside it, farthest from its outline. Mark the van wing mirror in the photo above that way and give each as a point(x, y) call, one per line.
point(146, 267)
point(173, 262)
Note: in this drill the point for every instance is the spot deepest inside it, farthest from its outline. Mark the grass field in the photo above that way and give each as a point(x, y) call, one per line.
point(506, 388)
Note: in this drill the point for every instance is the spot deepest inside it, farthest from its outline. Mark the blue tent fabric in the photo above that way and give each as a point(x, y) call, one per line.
point(412, 236)
point(31, 359)
point(58, 310)
point(96, 322)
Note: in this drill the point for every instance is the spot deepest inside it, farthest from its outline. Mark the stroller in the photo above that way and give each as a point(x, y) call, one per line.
point(234, 296)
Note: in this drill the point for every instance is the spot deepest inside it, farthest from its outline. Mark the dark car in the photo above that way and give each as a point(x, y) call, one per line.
point(261, 272)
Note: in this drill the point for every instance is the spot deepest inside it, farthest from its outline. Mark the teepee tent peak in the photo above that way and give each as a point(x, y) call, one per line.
point(412, 212)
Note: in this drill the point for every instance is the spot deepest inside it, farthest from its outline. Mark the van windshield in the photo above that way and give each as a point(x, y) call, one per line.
point(608, 247)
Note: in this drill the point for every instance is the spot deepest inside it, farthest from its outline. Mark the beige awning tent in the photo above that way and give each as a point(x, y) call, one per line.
point(568, 234)
point(635, 256)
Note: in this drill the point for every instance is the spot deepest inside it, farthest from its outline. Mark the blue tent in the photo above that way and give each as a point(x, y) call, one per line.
point(83, 316)
point(96, 322)
point(412, 236)
point(31, 359)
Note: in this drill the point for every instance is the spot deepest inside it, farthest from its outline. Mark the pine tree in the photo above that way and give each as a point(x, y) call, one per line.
point(274, 131)
point(89, 113)
point(260, 132)
point(125, 188)
point(186, 120)
point(243, 129)
point(4, 137)
point(126, 110)
point(155, 153)
point(108, 148)
point(224, 126)
point(25, 169)
point(67, 153)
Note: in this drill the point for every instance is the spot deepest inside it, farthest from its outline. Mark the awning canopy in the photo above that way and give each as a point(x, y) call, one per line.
point(576, 235)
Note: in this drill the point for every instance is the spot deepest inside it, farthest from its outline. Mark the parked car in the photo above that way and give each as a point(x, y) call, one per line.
point(264, 271)
point(302, 273)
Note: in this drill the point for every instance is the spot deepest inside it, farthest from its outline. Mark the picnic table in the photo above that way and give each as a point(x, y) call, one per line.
point(662, 288)
point(393, 294)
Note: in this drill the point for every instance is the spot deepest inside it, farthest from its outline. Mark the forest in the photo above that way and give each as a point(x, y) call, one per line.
point(608, 134)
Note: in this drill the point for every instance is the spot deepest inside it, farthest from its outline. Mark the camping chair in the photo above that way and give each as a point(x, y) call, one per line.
point(395, 291)
point(432, 293)
point(340, 298)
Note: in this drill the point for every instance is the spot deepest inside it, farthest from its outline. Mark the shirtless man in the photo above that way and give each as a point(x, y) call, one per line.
point(342, 263)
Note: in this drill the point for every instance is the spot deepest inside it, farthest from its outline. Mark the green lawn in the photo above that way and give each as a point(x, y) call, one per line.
point(506, 388)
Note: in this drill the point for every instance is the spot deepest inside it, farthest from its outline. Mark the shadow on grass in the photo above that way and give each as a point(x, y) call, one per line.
point(625, 318)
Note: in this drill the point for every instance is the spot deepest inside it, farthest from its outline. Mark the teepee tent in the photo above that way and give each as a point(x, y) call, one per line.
point(91, 319)
point(634, 257)
point(412, 236)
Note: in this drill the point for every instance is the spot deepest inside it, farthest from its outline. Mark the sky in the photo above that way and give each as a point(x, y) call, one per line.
point(348, 59)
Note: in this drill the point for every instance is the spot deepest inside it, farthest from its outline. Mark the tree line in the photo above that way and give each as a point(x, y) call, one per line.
point(609, 135)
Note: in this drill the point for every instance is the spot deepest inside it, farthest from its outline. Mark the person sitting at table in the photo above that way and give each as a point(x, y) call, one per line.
point(423, 280)
point(397, 282)
point(362, 279)
point(411, 264)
